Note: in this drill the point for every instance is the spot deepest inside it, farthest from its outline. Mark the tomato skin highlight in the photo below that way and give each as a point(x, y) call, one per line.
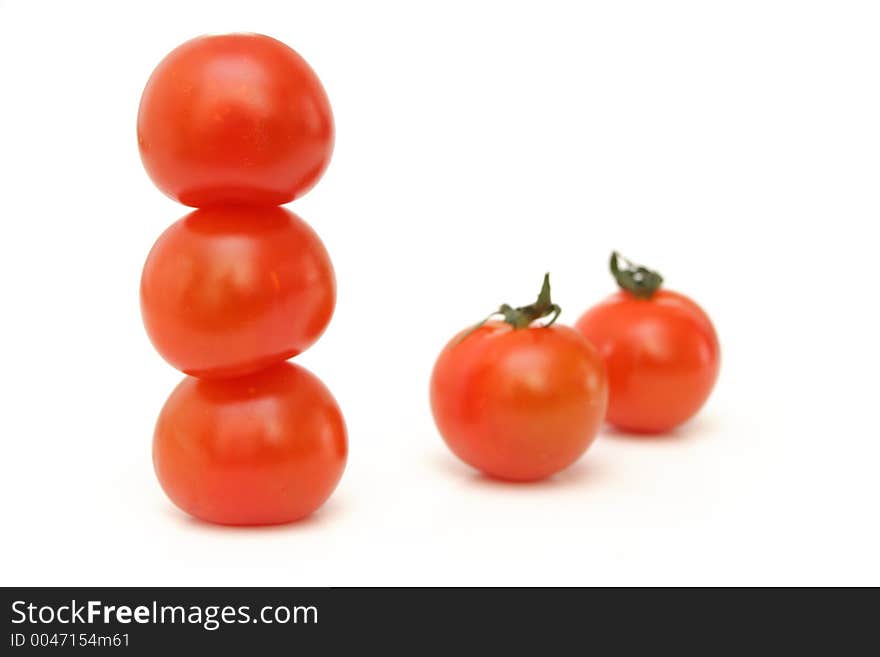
point(662, 356)
point(234, 119)
point(264, 449)
point(518, 404)
point(228, 291)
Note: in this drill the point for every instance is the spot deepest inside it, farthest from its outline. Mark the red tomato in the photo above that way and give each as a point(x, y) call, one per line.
point(235, 118)
point(660, 350)
point(263, 449)
point(516, 400)
point(228, 291)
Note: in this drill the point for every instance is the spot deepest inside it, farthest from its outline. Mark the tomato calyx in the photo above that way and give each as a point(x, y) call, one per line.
point(639, 281)
point(523, 316)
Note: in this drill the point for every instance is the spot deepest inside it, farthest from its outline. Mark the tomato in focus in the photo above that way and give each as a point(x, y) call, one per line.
point(516, 400)
point(263, 449)
point(228, 291)
point(660, 349)
point(234, 119)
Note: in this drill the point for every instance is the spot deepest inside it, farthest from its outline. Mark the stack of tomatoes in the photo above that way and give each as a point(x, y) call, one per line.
point(235, 126)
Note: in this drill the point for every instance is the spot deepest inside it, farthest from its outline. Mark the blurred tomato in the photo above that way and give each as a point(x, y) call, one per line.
point(516, 399)
point(660, 351)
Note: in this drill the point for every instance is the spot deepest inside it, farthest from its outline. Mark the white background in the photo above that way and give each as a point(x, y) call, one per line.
point(734, 146)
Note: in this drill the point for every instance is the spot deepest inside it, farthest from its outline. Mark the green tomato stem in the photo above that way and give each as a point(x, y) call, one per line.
point(524, 316)
point(635, 279)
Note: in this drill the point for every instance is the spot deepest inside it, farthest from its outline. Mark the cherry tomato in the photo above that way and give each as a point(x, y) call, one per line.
point(234, 118)
point(660, 350)
point(516, 400)
point(228, 291)
point(263, 449)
